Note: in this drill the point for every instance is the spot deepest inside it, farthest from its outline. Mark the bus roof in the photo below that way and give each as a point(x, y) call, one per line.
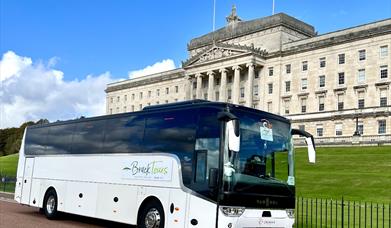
point(197, 103)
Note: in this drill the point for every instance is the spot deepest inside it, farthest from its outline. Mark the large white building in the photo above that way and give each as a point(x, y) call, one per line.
point(330, 84)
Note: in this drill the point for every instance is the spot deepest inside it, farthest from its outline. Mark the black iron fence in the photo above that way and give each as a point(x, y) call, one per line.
point(7, 184)
point(341, 213)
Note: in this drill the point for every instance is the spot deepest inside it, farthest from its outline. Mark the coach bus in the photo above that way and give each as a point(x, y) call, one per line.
point(187, 164)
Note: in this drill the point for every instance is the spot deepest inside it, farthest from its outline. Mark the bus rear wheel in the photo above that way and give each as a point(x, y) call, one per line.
point(50, 204)
point(151, 216)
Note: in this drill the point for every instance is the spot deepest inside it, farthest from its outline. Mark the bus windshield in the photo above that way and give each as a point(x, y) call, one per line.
point(264, 164)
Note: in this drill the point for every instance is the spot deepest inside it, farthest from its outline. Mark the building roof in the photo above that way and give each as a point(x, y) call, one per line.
point(241, 28)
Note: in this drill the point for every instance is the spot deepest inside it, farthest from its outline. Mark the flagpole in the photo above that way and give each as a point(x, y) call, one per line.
point(214, 14)
point(273, 8)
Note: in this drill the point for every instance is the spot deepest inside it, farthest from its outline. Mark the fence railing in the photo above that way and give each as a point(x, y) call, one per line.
point(7, 184)
point(341, 213)
point(347, 140)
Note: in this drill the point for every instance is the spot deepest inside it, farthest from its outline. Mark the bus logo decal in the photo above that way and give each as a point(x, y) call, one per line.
point(148, 170)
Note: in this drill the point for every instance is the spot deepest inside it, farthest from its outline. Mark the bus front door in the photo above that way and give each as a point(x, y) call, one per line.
point(27, 179)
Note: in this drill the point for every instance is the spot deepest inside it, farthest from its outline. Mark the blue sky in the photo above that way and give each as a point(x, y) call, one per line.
point(91, 37)
point(58, 56)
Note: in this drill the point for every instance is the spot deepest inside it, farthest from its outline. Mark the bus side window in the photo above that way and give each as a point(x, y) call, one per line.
point(59, 139)
point(172, 132)
point(88, 137)
point(124, 135)
point(35, 140)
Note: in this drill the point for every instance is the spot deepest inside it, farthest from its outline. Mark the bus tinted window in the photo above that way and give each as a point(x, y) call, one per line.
point(35, 141)
point(59, 139)
point(173, 132)
point(124, 135)
point(88, 137)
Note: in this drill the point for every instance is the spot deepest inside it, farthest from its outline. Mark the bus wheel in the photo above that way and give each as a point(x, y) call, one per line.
point(151, 216)
point(50, 204)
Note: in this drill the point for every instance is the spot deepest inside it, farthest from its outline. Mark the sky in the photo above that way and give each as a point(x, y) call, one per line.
point(56, 57)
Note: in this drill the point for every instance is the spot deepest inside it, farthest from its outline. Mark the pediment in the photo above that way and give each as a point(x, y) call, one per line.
point(214, 53)
point(222, 51)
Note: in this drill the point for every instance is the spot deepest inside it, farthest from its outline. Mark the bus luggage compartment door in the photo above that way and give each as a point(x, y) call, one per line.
point(27, 179)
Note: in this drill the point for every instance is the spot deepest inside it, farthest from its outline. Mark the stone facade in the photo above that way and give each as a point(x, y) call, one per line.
point(323, 83)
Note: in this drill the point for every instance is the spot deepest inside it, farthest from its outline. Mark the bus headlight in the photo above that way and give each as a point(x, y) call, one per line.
point(232, 211)
point(290, 213)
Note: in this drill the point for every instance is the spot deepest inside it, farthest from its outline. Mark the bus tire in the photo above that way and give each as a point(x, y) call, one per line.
point(50, 203)
point(151, 215)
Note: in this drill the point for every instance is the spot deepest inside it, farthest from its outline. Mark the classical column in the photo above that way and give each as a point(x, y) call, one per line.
point(250, 86)
point(236, 89)
point(199, 86)
point(223, 84)
point(188, 88)
point(211, 82)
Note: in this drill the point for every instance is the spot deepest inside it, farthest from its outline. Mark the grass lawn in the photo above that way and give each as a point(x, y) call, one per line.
point(357, 173)
point(8, 165)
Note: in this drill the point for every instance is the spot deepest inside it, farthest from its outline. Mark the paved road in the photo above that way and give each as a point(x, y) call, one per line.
point(15, 215)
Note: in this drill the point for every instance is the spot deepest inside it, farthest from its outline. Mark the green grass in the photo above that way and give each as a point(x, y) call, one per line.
point(8, 165)
point(356, 173)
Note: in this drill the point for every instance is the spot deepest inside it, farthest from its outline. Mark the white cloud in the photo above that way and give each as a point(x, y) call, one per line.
point(31, 91)
point(164, 65)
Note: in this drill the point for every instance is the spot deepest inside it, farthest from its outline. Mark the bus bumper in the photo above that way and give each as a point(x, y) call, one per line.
point(252, 218)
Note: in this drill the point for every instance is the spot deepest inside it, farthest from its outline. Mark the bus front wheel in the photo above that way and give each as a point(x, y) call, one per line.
point(151, 216)
point(50, 204)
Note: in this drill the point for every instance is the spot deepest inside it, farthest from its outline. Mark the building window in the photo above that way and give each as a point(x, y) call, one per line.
point(303, 105)
point(217, 96)
point(229, 79)
point(126, 97)
point(118, 99)
point(360, 127)
point(322, 81)
point(361, 76)
point(149, 103)
point(321, 103)
point(194, 85)
point(287, 86)
point(319, 130)
point(229, 94)
point(286, 106)
point(242, 92)
point(304, 84)
point(205, 96)
point(338, 129)
point(340, 102)
point(133, 96)
point(322, 62)
point(141, 95)
point(269, 106)
point(384, 51)
point(383, 97)
point(361, 100)
point(166, 101)
point(117, 109)
point(149, 94)
point(124, 108)
point(111, 111)
point(271, 71)
point(384, 72)
point(158, 92)
point(132, 108)
point(157, 102)
point(217, 81)
point(341, 78)
point(167, 90)
point(361, 55)
point(140, 107)
point(341, 59)
point(270, 88)
point(111, 100)
point(288, 68)
point(256, 74)
point(176, 89)
point(256, 90)
point(382, 126)
point(176, 99)
point(304, 66)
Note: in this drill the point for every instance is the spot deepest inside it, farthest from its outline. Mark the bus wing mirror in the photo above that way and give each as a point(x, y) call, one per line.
point(309, 139)
point(233, 129)
point(213, 174)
